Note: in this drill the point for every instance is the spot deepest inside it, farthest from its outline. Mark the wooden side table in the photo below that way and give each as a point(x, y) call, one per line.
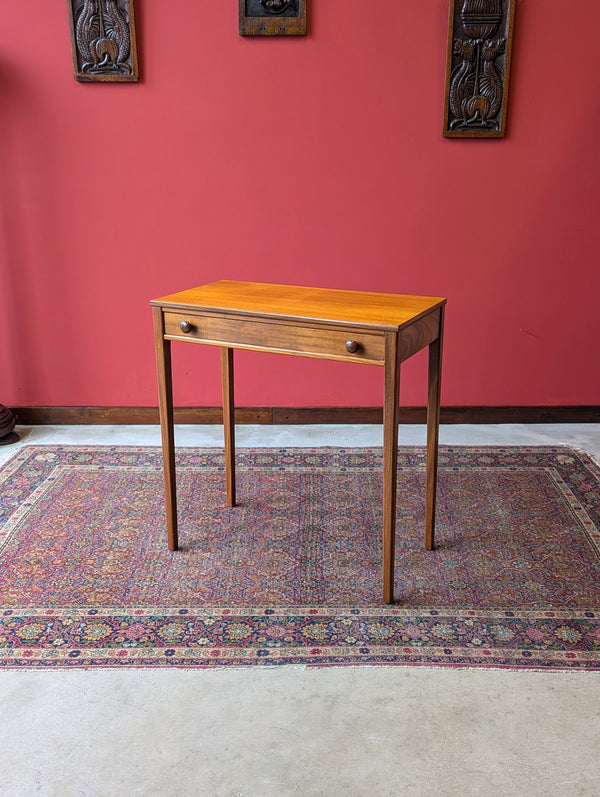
point(349, 326)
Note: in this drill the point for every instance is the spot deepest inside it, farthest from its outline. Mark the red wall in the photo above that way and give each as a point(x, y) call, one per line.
point(317, 160)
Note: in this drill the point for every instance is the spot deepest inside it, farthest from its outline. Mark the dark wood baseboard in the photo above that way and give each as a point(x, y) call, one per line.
point(302, 415)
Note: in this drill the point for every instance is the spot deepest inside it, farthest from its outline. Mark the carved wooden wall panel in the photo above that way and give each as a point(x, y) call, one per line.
point(478, 67)
point(272, 17)
point(103, 40)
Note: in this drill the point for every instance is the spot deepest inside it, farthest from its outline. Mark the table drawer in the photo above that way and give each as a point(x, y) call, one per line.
point(326, 342)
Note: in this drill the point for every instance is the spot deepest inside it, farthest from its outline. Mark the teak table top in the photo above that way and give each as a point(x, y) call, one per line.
point(381, 310)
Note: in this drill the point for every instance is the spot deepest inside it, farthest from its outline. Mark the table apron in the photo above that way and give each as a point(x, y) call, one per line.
point(418, 334)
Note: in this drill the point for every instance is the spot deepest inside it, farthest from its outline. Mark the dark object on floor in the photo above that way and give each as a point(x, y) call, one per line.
point(7, 424)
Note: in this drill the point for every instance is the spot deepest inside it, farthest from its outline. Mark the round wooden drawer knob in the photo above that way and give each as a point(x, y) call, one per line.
point(185, 326)
point(352, 346)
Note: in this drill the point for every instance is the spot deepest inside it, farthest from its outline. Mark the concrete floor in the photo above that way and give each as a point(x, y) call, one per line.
point(355, 732)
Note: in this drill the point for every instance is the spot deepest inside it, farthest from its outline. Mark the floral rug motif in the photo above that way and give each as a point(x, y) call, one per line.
point(293, 574)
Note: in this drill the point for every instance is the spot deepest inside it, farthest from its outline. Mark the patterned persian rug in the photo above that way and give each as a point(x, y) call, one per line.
point(293, 574)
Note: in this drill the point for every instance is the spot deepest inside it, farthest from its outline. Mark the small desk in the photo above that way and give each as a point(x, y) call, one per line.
point(349, 326)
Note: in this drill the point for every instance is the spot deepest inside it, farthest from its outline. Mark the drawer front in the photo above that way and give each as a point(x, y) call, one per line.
point(307, 341)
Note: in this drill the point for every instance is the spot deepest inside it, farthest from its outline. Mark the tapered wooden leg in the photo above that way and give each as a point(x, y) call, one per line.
point(165, 405)
point(433, 424)
point(390, 461)
point(228, 421)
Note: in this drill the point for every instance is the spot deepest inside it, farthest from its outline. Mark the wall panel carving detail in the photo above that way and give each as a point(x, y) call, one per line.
point(103, 40)
point(478, 66)
point(272, 17)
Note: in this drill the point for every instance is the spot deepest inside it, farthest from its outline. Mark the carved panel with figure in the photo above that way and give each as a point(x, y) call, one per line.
point(478, 66)
point(272, 17)
point(103, 40)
